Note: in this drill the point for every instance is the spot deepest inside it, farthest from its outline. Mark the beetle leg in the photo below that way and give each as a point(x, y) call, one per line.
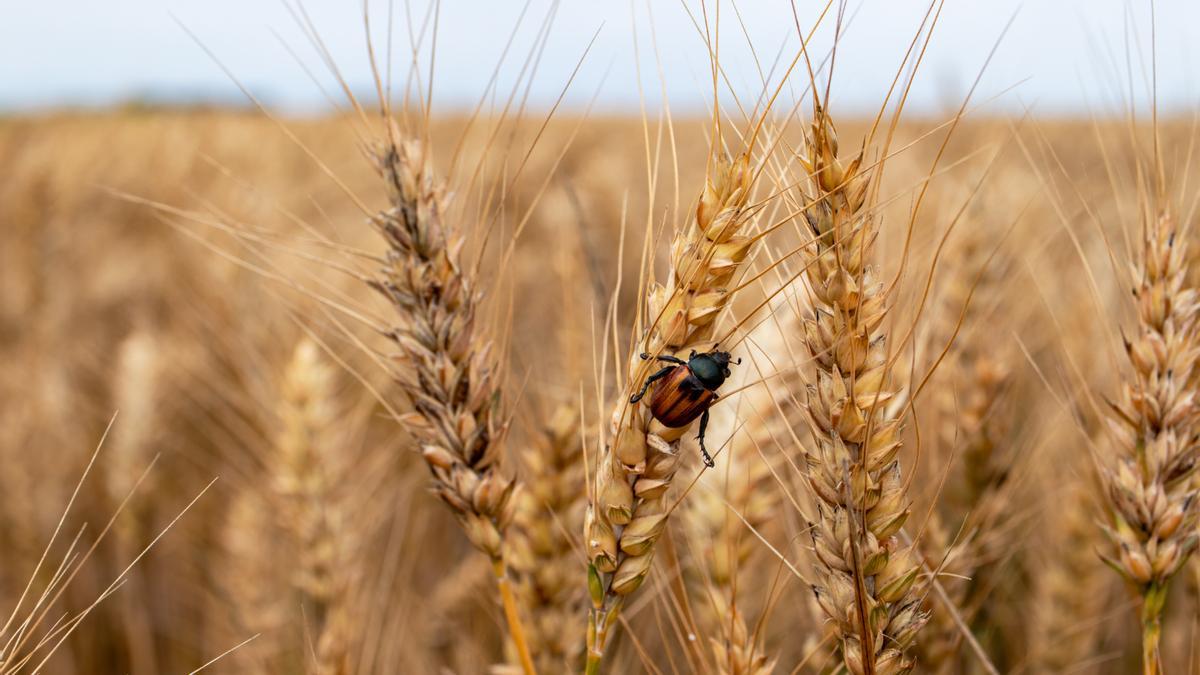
point(672, 359)
point(708, 461)
point(650, 380)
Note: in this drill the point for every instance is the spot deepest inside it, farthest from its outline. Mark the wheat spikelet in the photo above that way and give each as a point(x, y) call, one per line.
point(865, 577)
point(444, 361)
point(629, 504)
point(1148, 480)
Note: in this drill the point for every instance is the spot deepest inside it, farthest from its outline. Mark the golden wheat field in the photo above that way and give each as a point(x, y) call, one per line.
point(769, 390)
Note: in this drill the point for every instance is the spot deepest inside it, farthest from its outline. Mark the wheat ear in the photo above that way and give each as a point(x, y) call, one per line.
point(445, 361)
point(1149, 479)
point(306, 479)
point(544, 561)
point(974, 424)
point(629, 508)
point(1061, 628)
point(138, 384)
point(865, 576)
point(725, 550)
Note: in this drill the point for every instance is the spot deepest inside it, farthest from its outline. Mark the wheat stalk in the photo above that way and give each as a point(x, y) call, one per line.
point(444, 360)
point(865, 577)
point(629, 508)
point(1148, 480)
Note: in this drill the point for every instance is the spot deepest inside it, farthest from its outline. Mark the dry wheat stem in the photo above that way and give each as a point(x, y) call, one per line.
point(629, 506)
point(1149, 479)
point(445, 361)
point(866, 577)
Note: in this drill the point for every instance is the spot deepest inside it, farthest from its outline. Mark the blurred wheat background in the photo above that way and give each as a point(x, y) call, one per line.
point(184, 289)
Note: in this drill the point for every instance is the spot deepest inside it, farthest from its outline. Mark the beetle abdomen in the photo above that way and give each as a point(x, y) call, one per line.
point(679, 399)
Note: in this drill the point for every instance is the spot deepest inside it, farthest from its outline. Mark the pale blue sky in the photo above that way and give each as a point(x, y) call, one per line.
point(1060, 55)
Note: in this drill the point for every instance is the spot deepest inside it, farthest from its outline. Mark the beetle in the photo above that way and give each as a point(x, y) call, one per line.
point(686, 389)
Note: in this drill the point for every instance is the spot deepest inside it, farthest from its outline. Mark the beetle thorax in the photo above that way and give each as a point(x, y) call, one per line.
point(710, 368)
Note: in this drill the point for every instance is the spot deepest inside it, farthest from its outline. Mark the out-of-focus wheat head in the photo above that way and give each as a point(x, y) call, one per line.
point(1149, 477)
point(308, 476)
point(866, 579)
point(1061, 627)
point(974, 506)
point(629, 504)
point(301, 511)
point(718, 517)
point(542, 555)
